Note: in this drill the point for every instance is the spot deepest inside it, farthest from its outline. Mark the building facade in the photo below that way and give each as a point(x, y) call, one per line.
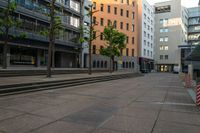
point(86, 24)
point(146, 35)
point(171, 23)
point(122, 13)
point(193, 41)
point(32, 50)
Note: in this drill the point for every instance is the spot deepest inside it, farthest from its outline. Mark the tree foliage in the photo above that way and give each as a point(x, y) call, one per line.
point(115, 41)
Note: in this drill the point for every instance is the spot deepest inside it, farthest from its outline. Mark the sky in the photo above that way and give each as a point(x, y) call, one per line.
point(186, 3)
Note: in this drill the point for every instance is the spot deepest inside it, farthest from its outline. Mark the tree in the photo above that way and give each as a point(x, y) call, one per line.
point(115, 41)
point(54, 29)
point(90, 32)
point(8, 22)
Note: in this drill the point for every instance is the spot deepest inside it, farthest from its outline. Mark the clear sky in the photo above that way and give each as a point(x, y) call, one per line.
point(186, 3)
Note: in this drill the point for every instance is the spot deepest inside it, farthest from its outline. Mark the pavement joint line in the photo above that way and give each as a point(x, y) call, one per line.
point(181, 123)
point(160, 109)
point(12, 117)
point(172, 103)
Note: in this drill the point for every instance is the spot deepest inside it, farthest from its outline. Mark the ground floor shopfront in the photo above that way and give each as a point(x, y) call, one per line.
point(120, 63)
point(166, 67)
point(21, 55)
point(146, 65)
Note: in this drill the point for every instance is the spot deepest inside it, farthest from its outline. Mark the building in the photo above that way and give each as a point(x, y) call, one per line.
point(146, 35)
point(32, 50)
point(86, 24)
point(171, 23)
point(122, 13)
point(190, 52)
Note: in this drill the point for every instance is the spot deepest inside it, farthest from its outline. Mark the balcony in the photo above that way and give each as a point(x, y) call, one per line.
point(38, 37)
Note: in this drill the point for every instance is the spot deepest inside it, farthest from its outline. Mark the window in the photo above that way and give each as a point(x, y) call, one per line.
point(102, 7)
point(108, 9)
point(127, 13)
point(147, 52)
point(162, 9)
point(161, 39)
point(109, 22)
point(127, 52)
point(94, 5)
point(121, 51)
point(145, 42)
point(115, 24)
point(144, 52)
point(121, 12)
point(145, 16)
point(161, 21)
point(94, 49)
point(133, 27)
point(133, 15)
point(94, 20)
point(161, 47)
point(127, 39)
point(133, 52)
point(101, 36)
point(166, 47)
point(161, 57)
point(74, 22)
point(115, 10)
point(102, 21)
point(166, 57)
point(145, 34)
point(166, 39)
point(127, 1)
point(121, 25)
point(133, 40)
point(127, 26)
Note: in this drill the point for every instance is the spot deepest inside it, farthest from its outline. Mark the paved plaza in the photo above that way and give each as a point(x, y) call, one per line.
point(154, 103)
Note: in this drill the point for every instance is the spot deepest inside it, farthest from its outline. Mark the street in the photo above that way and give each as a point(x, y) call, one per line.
point(154, 103)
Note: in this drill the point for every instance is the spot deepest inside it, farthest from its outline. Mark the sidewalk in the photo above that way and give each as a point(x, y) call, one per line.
point(154, 103)
point(43, 78)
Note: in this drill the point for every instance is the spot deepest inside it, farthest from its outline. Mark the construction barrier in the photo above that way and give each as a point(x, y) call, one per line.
point(198, 96)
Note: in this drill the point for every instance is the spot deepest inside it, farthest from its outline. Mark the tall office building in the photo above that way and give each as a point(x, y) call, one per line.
point(122, 13)
point(146, 35)
point(171, 22)
point(32, 50)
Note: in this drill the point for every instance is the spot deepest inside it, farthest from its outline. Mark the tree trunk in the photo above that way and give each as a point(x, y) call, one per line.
point(90, 43)
point(113, 62)
point(110, 64)
point(5, 50)
point(53, 55)
point(51, 37)
point(49, 60)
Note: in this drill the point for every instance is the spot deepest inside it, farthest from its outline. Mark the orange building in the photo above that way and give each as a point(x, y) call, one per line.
point(122, 13)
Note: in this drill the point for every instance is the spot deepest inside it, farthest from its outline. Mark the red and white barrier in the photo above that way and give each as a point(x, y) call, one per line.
point(198, 96)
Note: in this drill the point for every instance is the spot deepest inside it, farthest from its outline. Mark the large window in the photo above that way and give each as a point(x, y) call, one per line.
point(162, 9)
point(74, 22)
point(75, 5)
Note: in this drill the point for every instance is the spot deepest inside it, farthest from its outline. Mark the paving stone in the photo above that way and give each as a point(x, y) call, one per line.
point(170, 127)
point(91, 118)
point(129, 124)
point(22, 123)
point(101, 130)
point(64, 127)
point(5, 114)
point(139, 113)
point(187, 118)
